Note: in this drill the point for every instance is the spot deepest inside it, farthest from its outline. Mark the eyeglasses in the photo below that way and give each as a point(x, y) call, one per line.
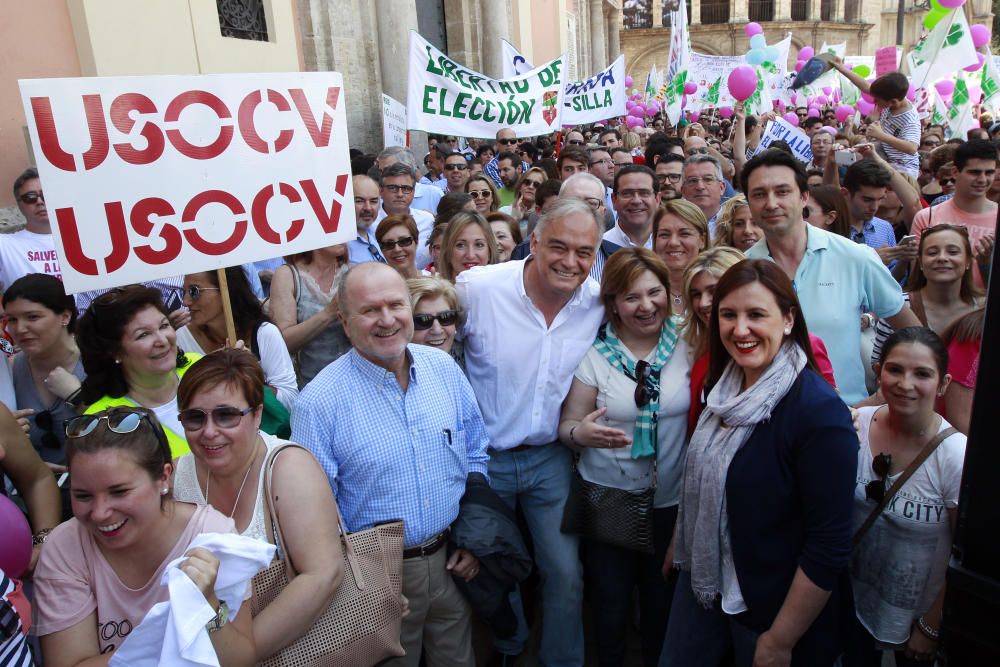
point(695, 180)
point(31, 196)
point(506, 142)
point(195, 291)
point(120, 421)
point(642, 394)
point(532, 183)
point(402, 242)
point(226, 416)
point(425, 321)
point(619, 165)
point(575, 142)
point(456, 167)
point(875, 489)
point(594, 202)
point(480, 194)
point(698, 151)
point(394, 189)
point(629, 194)
point(946, 181)
point(673, 178)
point(604, 161)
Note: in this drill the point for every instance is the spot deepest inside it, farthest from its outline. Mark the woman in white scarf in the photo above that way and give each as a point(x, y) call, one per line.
point(763, 531)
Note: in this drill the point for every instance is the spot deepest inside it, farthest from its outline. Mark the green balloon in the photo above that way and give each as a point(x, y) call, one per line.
point(862, 70)
point(933, 16)
point(935, 5)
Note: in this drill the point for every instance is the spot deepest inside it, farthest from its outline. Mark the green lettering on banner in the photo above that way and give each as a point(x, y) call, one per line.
point(489, 83)
point(505, 87)
point(522, 86)
point(487, 116)
point(449, 70)
point(528, 109)
point(430, 63)
point(474, 83)
point(473, 114)
point(607, 99)
point(442, 93)
point(459, 109)
point(428, 91)
point(577, 105)
point(550, 74)
point(513, 113)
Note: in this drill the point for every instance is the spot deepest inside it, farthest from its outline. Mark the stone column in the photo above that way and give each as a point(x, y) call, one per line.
point(695, 16)
point(496, 27)
point(598, 46)
point(741, 12)
point(783, 10)
point(813, 10)
point(657, 9)
point(614, 25)
point(395, 19)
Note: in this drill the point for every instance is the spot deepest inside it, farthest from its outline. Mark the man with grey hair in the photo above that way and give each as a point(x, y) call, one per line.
point(425, 197)
point(529, 324)
point(407, 455)
point(398, 182)
point(702, 184)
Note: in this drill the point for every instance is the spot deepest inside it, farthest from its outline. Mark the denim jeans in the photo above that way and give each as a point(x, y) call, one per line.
point(538, 480)
point(612, 574)
point(704, 637)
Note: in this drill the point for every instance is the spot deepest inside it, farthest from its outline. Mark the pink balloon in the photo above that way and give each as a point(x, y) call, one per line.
point(945, 87)
point(726, 112)
point(15, 548)
point(980, 35)
point(973, 67)
point(628, 82)
point(951, 4)
point(799, 65)
point(806, 52)
point(690, 88)
point(831, 130)
point(791, 119)
point(742, 82)
point(911, 94)
point(694, 116)
point(752, 28)
point(975, 92)
point(865, 107)
point(827, 90)
point(813, 112)
point(822, 99)
point(651, 110)
point(868, 98)
point(843, 112)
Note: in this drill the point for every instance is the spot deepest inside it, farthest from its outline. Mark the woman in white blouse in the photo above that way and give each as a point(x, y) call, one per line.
point(626, 413)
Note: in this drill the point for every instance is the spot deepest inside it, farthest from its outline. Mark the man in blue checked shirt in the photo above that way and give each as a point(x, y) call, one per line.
point(397, 429)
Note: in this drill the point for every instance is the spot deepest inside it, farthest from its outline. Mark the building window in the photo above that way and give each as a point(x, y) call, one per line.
point(715, 11)
point(800, 9)
point(826, 10)
point(852, 11)
point(637, 14)
point(761, 10)
point(242, 19)
point(668, 7)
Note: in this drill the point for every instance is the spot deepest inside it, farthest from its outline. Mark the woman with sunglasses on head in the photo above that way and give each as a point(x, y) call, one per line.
point(898, 564)
point(483, 193)
point(626, 414)
point(436, 315)
point(220, 402)
point(207, 329)
point(130, 354)
point(304, 307)
point(468, 242)
point(101, 571)
point(41, 319)
point(775, 455)
point(397, 236)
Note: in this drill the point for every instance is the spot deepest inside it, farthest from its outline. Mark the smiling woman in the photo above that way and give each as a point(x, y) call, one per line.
point(468, 242)
point(680, 232)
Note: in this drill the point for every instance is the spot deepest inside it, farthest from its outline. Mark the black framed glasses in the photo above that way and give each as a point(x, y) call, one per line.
point(946, 181)
point(875, 489)
point(194, 291)
point(642, 394)
point(507, 142)
point(575, 142)
point(425, 321)
point(31, 196)
point(226, 416)
point(394, 189)
point(456, 167)
point(402, 242)
point(121, 421)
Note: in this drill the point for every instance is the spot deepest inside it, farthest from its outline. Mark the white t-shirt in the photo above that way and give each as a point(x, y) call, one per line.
point(26, 252)
point(898, 568)
point(167, 414)
point(279, 372)
point(616, 392)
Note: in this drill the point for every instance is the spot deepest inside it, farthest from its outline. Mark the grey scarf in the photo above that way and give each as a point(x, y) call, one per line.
point(729, 418)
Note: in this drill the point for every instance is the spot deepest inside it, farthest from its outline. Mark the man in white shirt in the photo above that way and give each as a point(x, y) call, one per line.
point(636, 198)
point(30, 250)
point(529, 324)
point(398, 182)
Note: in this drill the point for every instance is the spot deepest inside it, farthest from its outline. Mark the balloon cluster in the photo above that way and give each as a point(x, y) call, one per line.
point(805, 53)
point(940, 9)
point(638, 110)
point(759, 52)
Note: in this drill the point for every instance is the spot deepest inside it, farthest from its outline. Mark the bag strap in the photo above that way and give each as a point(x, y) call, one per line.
point(928, 449)
point(274, 527)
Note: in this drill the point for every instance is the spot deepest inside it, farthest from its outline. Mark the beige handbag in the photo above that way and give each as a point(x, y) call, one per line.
point(361, 625)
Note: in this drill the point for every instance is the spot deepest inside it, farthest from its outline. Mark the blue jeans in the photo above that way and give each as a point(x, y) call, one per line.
point(699, 636)
point(538, 479)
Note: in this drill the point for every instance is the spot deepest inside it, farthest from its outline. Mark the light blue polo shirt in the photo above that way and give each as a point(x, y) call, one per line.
point(836, 281)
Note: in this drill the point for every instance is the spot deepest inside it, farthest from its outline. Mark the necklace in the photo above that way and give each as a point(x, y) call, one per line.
point(678, 298)
point(239, 493)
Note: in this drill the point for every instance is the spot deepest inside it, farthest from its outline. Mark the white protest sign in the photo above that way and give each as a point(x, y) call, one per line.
point(780, 129)
point(514, 64)
point(149, 177)
point(711, 75)
point(446, 98)
point(393, 122)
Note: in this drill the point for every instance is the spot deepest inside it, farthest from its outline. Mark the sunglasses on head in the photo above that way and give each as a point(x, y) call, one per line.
point(31, 196)
point(875, 489)
point(642, 394)
point(425, 321)
point(402, 242)
point(226, 416)
point(121, 421)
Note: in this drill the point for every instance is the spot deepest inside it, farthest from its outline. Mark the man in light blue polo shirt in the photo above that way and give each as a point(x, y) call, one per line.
point(836, 280)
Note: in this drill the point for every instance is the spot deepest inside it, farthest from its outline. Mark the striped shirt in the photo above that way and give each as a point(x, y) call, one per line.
point(874, 233)
point(394, 454)
point(14, 651)
point(906, 126)
point(492, 170)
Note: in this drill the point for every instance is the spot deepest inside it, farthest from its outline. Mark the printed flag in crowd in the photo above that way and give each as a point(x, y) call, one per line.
point(678, 61)
point(945, 50)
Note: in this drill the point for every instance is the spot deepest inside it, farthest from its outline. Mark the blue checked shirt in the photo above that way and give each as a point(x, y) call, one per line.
point(875, 233)
point(492, 170)
point(391, 454)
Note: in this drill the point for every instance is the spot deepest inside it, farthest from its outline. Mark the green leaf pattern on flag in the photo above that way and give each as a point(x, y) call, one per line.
point(675, 89)
point(959, 98)
point(954, 35)
point(712, 96)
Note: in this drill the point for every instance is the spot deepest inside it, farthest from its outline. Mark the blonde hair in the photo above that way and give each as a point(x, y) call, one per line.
point(458, 223)
point(715, 261)
point(431, 287)
point(724, 221)
point(687, 212)
point(631, 140)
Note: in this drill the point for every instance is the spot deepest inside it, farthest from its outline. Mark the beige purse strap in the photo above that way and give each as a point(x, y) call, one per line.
point(928, 449)
point(274, 527)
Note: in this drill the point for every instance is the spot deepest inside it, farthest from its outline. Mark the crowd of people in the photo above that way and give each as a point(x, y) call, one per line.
point(727, 393)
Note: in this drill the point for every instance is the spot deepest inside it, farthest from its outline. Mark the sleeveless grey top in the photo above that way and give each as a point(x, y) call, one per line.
point(329, 344)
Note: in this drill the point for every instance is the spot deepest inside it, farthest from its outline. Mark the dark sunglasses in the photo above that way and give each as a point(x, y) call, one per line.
point(642, 394)
point(402, 242)
point(875, 489)
point(195, 291)
point(507, 142)
point(456, 167)
point(226, 416)
point(31, 196)
point(425, 321)
point(119, 421)
point(946, 181)
point(575, 142)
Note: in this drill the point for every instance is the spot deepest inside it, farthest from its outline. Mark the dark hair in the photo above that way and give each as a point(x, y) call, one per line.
point(229, 366)
point(780, 145)
point(574, 153)
point(868, 174)
point(608, 131)
point(362, 165)
point(512, 226)
point(831, 199)
point(99, 337)
point(485, 148)
point(515, 159)
point(450, 204)
point(891, 86)
point(44, 290)
point(922, 336)
point(636, 169)
point(811, 121)
point(248, 314)
point(671, 157)
point(622, 149)
point(529, 148)
point(398, 169)
point(549, 166)
point(546, 190)
point(977, 149)
point(147, 443)
point(25, 176)
point(813, 172)
point(773, 158)
point(389, 222)
point(774, 279)
point(967, 291)
point(967, 328)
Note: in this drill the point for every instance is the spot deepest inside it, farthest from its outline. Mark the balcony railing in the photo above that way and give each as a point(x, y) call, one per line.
point(638, 16)
point(800, 10)
point(761, 10)
point(714, 11)
point(667, 8)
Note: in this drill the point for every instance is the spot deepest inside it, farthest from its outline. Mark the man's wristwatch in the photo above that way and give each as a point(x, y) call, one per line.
point(221, 618)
